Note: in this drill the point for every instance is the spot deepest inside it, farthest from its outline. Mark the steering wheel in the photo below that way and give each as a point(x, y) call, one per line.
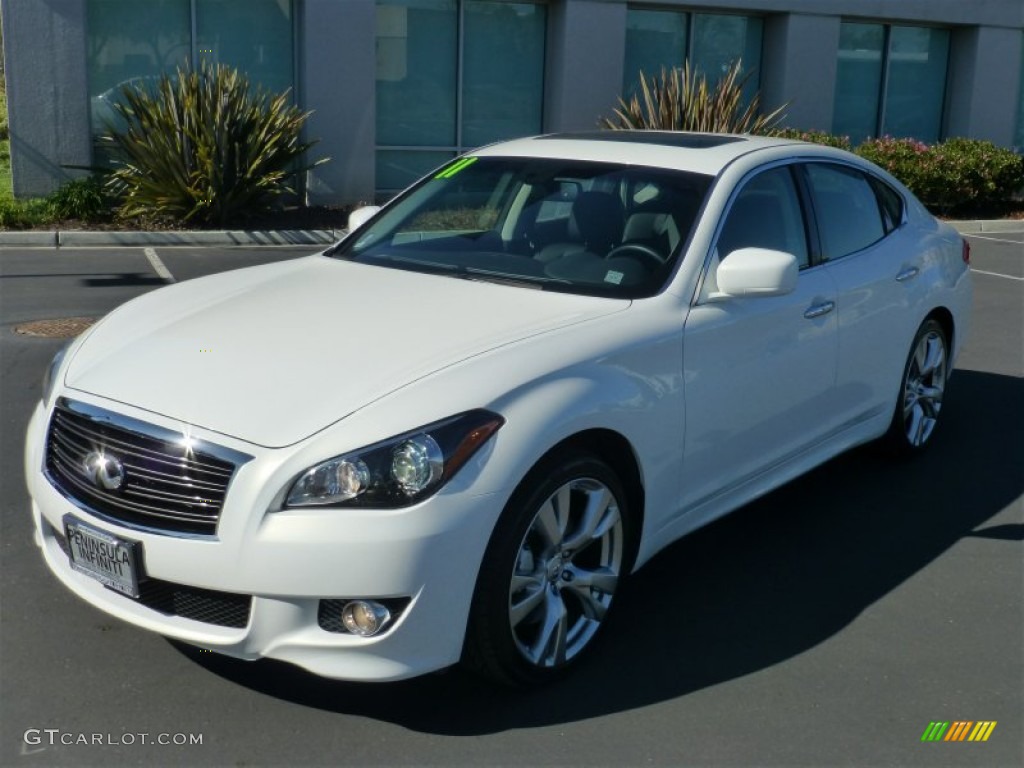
point(649, 257)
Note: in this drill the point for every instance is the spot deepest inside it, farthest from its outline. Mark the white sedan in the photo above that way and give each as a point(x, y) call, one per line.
point(453, 434)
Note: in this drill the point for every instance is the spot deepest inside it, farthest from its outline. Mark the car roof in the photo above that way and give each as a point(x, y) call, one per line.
point(706, 153)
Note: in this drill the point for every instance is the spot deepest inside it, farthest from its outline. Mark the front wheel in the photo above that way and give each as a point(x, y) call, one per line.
point(550, 573)
point(921, 391)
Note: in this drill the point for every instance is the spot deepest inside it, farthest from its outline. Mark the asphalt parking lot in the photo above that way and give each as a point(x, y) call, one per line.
point(826, 624)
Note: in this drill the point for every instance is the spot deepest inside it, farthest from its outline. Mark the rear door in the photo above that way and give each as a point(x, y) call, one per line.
point(876, 264)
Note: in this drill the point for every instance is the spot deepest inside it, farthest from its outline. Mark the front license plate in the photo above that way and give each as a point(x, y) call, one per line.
point(106, 558)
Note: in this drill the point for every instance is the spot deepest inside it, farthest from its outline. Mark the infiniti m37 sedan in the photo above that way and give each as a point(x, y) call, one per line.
point(453, 434)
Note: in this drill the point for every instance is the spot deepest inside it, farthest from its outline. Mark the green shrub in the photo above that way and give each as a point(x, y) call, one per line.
point(204, 147)
point(681, 100)
point(957, 175)
point(814, 137)
point(84, 199)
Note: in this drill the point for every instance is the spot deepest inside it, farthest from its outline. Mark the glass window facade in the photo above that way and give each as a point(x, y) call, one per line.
point(712, 42)
point(451, 76)
point(890, 80)
point(131, 41)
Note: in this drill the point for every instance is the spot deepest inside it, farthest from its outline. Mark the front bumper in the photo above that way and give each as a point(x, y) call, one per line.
point(288, 562)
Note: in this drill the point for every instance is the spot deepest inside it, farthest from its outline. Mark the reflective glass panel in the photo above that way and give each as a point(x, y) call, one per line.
point(254, 36)
point(858, 81)
point(129, 42)
point(916, 83)
point(502, 71)
point(397, 169)
point(719, 40)
point(417, 55)
point(654, 39)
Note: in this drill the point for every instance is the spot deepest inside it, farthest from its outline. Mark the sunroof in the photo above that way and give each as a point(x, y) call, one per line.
point(661, 138)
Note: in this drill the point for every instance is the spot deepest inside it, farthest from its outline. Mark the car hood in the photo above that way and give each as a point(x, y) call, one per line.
point(273, 354)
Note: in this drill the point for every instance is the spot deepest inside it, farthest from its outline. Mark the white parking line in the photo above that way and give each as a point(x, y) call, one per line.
point(158, 266)
point(995, 239)
point(996, 274)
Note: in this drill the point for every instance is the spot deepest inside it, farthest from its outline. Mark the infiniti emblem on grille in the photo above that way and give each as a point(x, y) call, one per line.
point(105, 471)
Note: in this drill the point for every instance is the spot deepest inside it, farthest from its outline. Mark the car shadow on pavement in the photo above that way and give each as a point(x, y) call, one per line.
point(763, 585)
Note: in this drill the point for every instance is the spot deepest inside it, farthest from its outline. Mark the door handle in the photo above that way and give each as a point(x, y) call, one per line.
point(817, 310)
point(907, 273)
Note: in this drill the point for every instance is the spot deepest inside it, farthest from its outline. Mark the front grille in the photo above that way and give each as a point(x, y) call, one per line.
point(167, 483)
point(225, 609)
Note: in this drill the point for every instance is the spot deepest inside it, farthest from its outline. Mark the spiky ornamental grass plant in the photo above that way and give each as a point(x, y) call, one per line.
point(681, 100)
point(202, 146)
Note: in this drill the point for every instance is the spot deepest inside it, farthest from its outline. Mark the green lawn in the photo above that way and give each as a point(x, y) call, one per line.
point(5, 170)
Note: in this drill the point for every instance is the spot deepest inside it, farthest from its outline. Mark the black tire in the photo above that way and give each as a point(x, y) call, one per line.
point(515, 631)
point(922, 388)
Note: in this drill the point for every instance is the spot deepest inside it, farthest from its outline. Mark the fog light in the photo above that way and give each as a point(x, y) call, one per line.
point(364, 617)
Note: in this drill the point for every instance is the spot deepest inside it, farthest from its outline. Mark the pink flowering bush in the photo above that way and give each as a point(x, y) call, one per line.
point(956, 175)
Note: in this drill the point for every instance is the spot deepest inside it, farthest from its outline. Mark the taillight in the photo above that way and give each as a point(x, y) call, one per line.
point(966, 252)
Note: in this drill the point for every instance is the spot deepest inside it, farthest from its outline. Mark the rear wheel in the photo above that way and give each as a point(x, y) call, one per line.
point(921, 391)
point(551, 572)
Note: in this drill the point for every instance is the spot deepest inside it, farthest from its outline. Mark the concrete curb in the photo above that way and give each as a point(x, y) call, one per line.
point(994, 225)
point(29, 239)
point(221, 238)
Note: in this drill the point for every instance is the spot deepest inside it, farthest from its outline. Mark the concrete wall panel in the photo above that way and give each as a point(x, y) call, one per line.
point(47, 97)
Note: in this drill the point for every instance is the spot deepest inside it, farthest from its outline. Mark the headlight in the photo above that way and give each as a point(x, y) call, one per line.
point(50, 377)
point(399, 471)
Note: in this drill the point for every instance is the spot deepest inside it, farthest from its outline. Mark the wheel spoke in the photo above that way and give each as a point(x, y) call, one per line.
point(599, 515)
point(549, 649)
point(916, 428)
point(934, 356)
point(589, 586)
point(526, 594)
point(548, 525)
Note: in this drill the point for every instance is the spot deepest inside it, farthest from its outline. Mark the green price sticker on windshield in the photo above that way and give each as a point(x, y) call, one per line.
point(460, 165)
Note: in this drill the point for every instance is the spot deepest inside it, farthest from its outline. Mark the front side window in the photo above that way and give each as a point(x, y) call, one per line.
point(600, 229)
point(766, 214)
point(847, 209)
point(890, 81)
point(453, 75)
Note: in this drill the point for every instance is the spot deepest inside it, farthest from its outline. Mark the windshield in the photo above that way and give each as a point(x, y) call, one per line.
point(596, 228)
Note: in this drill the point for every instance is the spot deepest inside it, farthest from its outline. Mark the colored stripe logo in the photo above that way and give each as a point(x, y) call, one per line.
point(460, 165)
point(959, 730)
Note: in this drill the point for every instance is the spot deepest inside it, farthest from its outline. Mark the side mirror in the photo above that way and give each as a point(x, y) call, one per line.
point(750, 272)
point(360, 216)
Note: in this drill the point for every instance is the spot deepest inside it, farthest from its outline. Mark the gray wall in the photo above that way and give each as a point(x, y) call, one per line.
point(982, 91)
point(795, 45)
point(47, 100)
point(338, 82)
point(586, 51)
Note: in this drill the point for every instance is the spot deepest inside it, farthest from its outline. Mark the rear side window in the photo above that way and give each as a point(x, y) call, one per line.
point(847, 208)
